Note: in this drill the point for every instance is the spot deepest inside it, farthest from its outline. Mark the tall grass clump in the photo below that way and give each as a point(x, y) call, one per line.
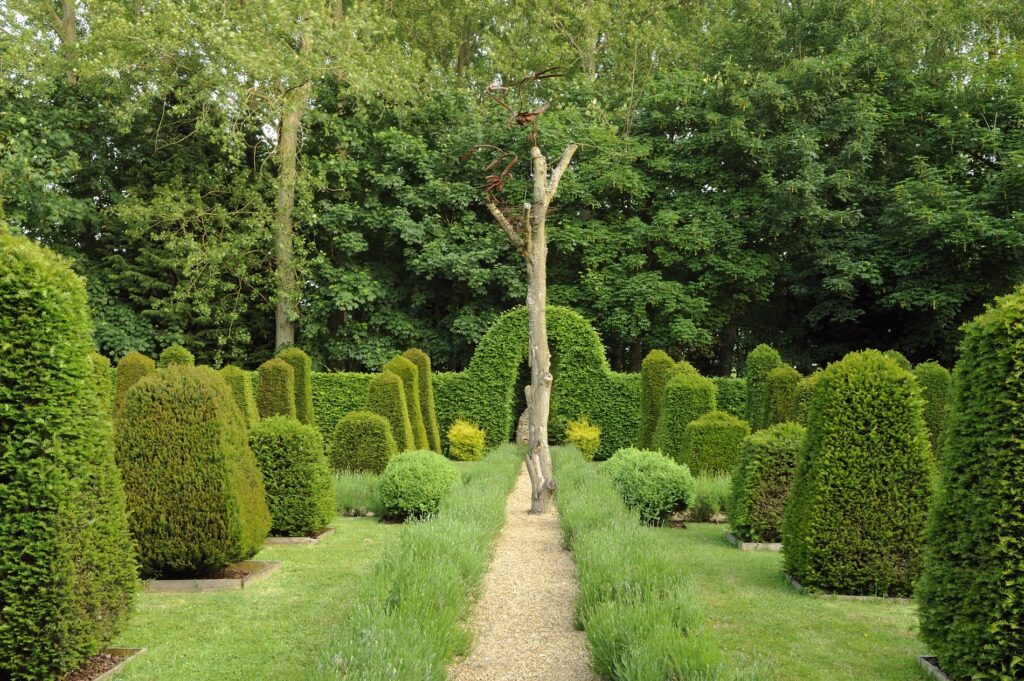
point(356, 494)
point(712, 492)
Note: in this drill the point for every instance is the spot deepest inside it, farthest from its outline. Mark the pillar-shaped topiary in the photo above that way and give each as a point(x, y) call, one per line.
point(760, 363)
point(688, 396)
point(855, 520)
point(195, 493)
point(731, 394)
point(130, 369)
point(427, 403)
point(712, 443)
point(761, 482)
point(655, 371)
point(414, 483)
point(385, 395)
point(971, 597)
point(802, 399)
point(175, 355)
point(781, 388)
point(362, 442)
point(302, 367)
point(275, 391)
point(67, 576)
point(296, 475)
point(102, 383)
point(410, 375)
point(241, 389)
point(935, 383)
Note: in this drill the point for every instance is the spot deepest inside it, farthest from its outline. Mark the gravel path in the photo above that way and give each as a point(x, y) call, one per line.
point(522, 625)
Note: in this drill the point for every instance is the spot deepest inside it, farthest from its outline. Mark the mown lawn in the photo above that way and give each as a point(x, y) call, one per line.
point(282, 628)
point(759, 618)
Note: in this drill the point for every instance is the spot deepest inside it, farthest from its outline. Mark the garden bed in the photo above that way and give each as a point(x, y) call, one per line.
point(752, 546)
point(234, 576)
point(310, 539)
point(931, 667)
point(844, 597)
point(104, 665)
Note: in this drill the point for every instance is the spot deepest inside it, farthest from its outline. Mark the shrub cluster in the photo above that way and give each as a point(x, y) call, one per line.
point(175, 355)
point(67, 575)
point(971, 596)
point(130, 369)
point(761, 483)
point(650, 482)
point(712, 443)
point(688, 396)
point(302, 370)
point(855, 519)
point(410, 375)
point(386, 396)
point(413, 484)
point(466, 442)
point(584, 435)
point(275, 390)
point(241, 390)
point(427, 401)
point(296, 475)
point(760, 363)
point(731, 395)
point(362, 442)
point(781, 388)
point(935, 383)
point(195, 494)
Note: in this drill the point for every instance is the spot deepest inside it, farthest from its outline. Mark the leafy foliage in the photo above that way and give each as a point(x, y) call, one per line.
point(409, 373)
point(275, 389)
point(935, 382)
point(386, 396)
point(900, 359)
point(130, 369)
point(761, 482)
point(688, 396)
point(362, 441)
point(584, 435)
point(413, 484)
point(712, 443)
point(760, 362)
point(650, 482)
point(466, 442)
point(175, 355)
point(427, 404)
point(302, 367)
point(781, 389)
point(241, 389)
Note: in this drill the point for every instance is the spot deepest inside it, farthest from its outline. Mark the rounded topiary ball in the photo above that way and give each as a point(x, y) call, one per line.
point(650, 482)
point(414, 483)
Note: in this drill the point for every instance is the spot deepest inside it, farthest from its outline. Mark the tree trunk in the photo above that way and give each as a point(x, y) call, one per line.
point(66, 25)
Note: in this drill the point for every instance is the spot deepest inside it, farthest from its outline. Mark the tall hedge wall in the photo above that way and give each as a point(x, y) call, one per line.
point(855, 520)
point(302, 365)
point(781, 389)
point(241, 389)
point(385, 395)
point(760, 363)
point(67, 576)
point(275, 389)
point(731, 394)
point(410, 375)
point(427, 401)
point(971, 596)
point(130, 369)
point(935, 382)
point(688, 396)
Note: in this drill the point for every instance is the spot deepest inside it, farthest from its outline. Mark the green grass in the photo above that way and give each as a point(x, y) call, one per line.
point(756, 616)
point(277, 629)
point(356, 494)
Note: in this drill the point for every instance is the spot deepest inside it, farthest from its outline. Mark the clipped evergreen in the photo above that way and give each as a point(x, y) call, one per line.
point(651, 483)
point(410, 375)
point(175, 355)
point(971, 596)
point(731, 394)
point(466, 442)
point(855, 520)
point(385, 395)
point(712, 443)
point(414, 483)
point(655, 371)
point(362, 442)
point(761, 482)
point(760, 363)
point(427, 402)
point(781, 389)
point(102, 383)
point(195, 494)
point(802, 399)
point(302, 367)
point(241, 389)
point(935, 382)
point(130, 369)
point(67, 575)
point(688, 396)
point(583, 435)
point(296, 475)
point(899, 358)
point(275, 390)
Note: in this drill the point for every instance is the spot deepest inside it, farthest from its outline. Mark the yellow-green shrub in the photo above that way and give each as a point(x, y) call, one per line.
point(688, 396)
point(584, 435)
point(466, 442)
point(782, 389)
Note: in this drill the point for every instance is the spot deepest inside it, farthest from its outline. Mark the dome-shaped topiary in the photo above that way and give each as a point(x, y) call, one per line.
point(67, 575)
point(761, 482)
point(414, 483)
point(385, 395)
point(241, 389)
point(935, 382)
point(410, 375)
point(650, 482)
point(971, 596)
point(427, 403)
point(760, 363)
point(302, 367)
point(195, 493)
point(296, 475)
point(898, 357)
point(362, 442)
point(655, 371)
point(275, 389)
point(466, 441)
point(781, 389)
point(855, 520)
point(130, 369)
point(688, 396)
point(712, 443)
point(175, 355)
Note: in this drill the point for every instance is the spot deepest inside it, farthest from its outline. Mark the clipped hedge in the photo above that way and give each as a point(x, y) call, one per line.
point(195, 494)
point(761, 482)
point(731, 395)
point(655, 371)
point(971, 596)
point(67, 576)
point(275, 389)
point(362, 442)
point(583, 435)
point(302, 367)
point(688, 396)
point(898, 357)
point(802, 400)
point(101, 374)
point(410, 375)
point(175, 355)
point(713, 443)
point(466, 442)
point(296, 475)
point(856, 516)
point(781, 388)
point(651, 483)
point(760, 363)
point(335, 394)
point(130, 369)
point(386, 396)
point(241, 390)
point(935, 382)
point(428, 404)
point(413, 484)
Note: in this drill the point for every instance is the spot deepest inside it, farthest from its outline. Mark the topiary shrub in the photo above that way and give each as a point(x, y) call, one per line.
point(362, 442)
point(241, 390)
point(935, 383)
point(584, 435)
point(761, 482)
point(760, 363)
point(410, 376)
point(414, 483)
point(712, 443)
point(427, 403)
point(195, 494)
point(781, 388)
point(899, 358)
point(102, 383)
point(275, 389)
point(385, 395)
point(731, 395)
point(971, 596)
point(650, 482)
point(302, 366)
point(175, 355)
point(130, 369)
point(802, 399)
point(688, 396)
point(335, 394)
point(67, 576)
point(296, 475)
point(855, 520)
point(466, 442)
point(655, 371)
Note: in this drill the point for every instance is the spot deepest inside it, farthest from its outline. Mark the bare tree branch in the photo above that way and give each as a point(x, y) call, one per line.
point(556, 174)
point(504, 223)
